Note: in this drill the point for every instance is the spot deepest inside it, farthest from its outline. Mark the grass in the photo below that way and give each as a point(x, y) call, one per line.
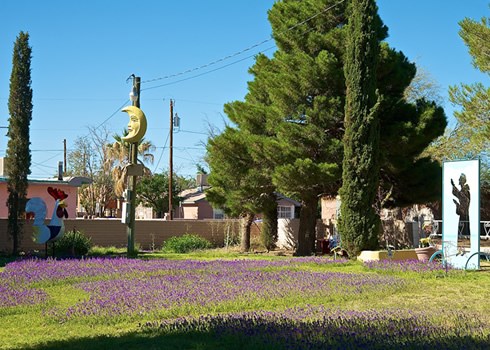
point(212, 299)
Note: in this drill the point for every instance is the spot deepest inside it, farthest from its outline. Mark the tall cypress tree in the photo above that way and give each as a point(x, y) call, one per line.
point(18, 155)
point(359, 222)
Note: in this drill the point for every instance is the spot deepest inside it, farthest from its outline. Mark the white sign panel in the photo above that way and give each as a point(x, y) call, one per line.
point(461, 212)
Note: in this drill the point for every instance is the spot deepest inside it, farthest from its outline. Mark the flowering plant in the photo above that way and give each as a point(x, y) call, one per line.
point(425, 242)
point(427, 227)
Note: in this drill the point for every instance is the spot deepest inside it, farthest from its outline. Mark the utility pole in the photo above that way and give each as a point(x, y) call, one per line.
point(64, 156)
point(171, 171)
point(133, 158)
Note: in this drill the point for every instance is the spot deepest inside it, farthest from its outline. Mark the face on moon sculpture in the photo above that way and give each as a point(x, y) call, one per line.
point(137, 124)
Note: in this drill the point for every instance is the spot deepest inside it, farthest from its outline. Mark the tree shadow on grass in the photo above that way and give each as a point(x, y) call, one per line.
point(194, 340)
point(187, 341)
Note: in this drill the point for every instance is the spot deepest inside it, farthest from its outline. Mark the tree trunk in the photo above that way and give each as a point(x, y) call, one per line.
point(307, 227)
point(13, 221)
point(269, 223)
point(15, 248)
point(245, 227)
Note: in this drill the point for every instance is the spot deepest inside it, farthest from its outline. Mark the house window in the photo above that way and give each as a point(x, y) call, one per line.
point(218, 214)
point(284, 212)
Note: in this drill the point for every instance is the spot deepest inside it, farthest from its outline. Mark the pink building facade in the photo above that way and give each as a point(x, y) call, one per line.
point(39, 188)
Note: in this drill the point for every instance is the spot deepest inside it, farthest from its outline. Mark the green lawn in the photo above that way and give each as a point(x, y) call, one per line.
point(212, 300)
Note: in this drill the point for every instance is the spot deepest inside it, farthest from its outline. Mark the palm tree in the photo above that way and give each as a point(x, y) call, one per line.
point(118, 159)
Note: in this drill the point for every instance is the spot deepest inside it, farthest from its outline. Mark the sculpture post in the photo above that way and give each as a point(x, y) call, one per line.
point(136, 131)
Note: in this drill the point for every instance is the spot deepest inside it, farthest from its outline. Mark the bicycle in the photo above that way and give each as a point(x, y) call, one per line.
point(451, 252)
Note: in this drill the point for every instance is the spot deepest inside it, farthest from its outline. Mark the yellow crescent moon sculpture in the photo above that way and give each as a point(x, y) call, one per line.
point(137, 124)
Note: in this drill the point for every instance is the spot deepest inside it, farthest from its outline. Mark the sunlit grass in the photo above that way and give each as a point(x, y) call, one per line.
point(93, 302)
point(106, 251)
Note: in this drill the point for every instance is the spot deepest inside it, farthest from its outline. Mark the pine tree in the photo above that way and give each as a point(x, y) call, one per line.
point(243, 145)
point(474, 99)
point(305, 85)
point(232, 179)
point(470, 137)
point(359, 222)
point(293, 114)
point(18, 155)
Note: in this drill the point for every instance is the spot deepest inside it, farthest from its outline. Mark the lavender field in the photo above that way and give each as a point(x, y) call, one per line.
point(283, 303)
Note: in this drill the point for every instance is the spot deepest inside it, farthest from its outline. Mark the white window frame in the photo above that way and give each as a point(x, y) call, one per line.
point(285, 211)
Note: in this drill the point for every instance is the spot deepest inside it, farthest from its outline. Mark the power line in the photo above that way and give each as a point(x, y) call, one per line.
point(218, 68)
point(238, 52)
point(46, 150)
point(46, 166)
point(105, 121)
point(213, 70)
point(74, 99)
point(314, 16)
point(201, 74)
point(187, 148)
point(181, 147)
point(112, 115)
point(185, 131)
point(209, 64)
point(161, 154)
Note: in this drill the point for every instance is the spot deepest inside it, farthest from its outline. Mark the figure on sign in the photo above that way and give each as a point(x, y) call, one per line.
point(462, 205)
point(47, 233)
point(137, 124)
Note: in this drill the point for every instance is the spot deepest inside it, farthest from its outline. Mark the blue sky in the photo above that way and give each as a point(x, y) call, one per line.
point(83, 52)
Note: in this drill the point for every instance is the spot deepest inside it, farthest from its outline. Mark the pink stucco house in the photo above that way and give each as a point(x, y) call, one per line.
point(194, 205)
point(38, 188)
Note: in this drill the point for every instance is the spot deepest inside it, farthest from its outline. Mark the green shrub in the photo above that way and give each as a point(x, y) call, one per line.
point(232, 238)
point(185, 244)
point(73, 243)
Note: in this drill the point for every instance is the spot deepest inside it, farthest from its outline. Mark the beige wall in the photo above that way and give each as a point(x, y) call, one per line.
point(329, 208)
point(150, 234)
point(287, 233)
point(190, 212)
point(111, 232)
point(200, 210)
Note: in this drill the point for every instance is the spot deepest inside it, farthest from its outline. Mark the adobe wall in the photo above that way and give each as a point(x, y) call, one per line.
point(150, 234)
point(111, 232)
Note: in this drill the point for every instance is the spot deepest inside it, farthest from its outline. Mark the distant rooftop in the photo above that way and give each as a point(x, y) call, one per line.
point(75, 181)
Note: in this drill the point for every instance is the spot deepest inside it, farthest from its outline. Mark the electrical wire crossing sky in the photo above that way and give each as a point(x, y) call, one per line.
point(193, 52)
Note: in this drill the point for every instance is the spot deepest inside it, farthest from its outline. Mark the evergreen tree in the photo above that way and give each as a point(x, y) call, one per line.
point(474, 99)
point(250, 118)
point(305, 86)
point(359, 222)
point(18, 155)
point(293, 114)
point(249, 137)
point(232, 179)
point(470, 138)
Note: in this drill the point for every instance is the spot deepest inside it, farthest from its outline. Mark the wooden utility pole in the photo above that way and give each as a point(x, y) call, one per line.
point(133, 159)
point(170, 170)
point(64, 156)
